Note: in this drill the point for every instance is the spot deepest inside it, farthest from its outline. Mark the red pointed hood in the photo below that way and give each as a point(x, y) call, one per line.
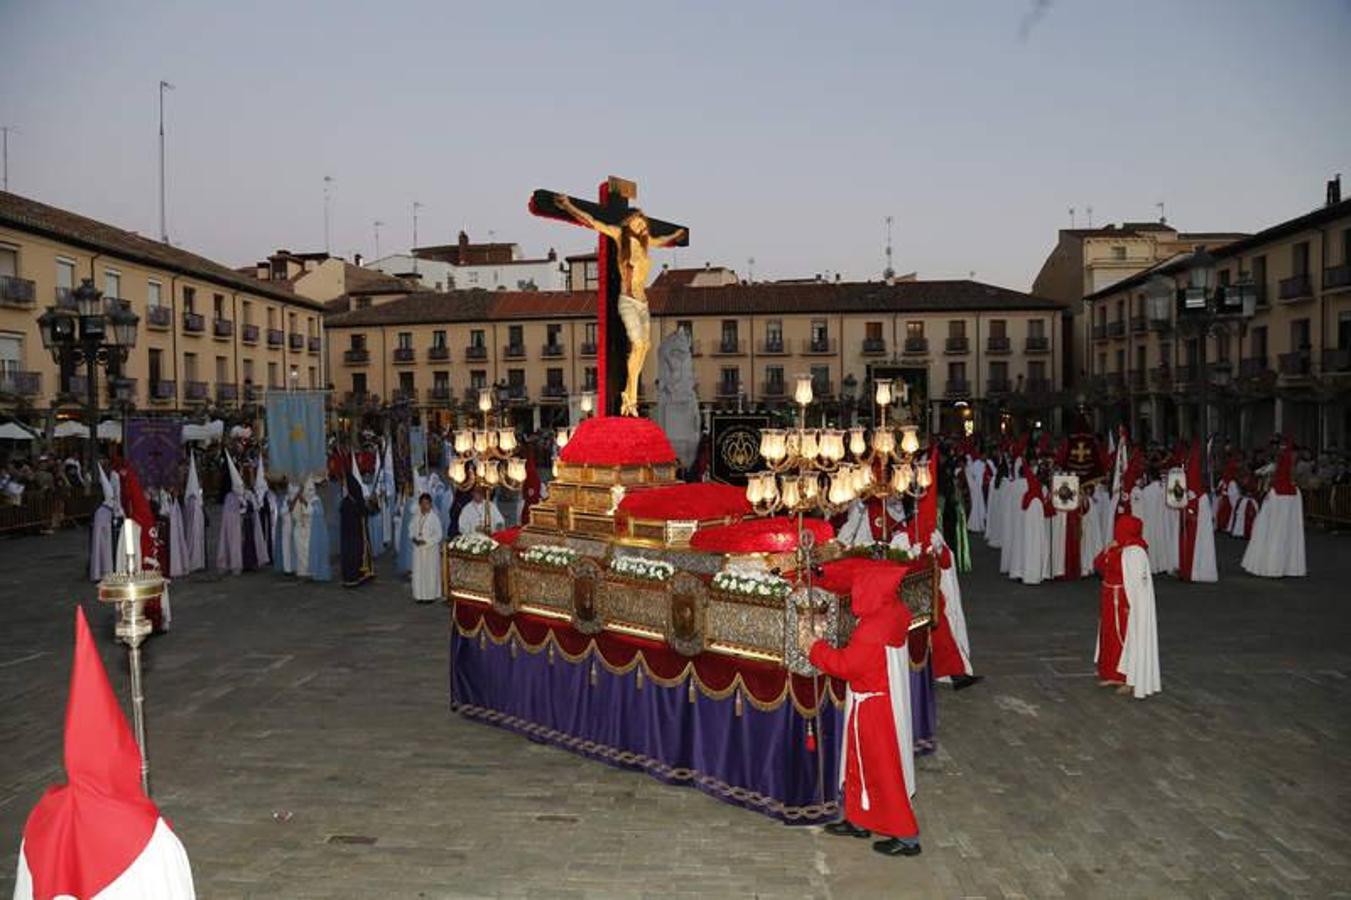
point(1129, 531)
point(876, 591)
point(83, 834)
point(1194, 470)
point(137, 508)
point(1284, 481)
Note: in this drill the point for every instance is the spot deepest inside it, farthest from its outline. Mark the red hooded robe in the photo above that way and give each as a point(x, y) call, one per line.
point(1113, 607)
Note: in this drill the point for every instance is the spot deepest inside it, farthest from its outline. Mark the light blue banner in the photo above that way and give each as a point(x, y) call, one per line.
point(295, 434)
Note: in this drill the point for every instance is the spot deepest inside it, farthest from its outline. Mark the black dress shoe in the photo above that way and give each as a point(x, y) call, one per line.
point(895, 847)
point(962, 682)
point(845, 828)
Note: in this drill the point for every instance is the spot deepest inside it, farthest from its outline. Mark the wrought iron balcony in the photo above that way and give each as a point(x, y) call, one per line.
point(997, 345)
point(916, 345)
point(1253, 367)
point(772, 389)
point(1139, 324)
point(252, 393)
point(730, 347)
point(1100, 331)
point(1298, 364)
point(314, 343)
point(957, 345)
point(958, 387)
point(997, 386)
point(163, 391)
point(159, 317)
point(552, 350)
point(1186, 377)
point(439, 393)
point(222, 328)
point(194, 323)
point(1114, 329)
point(728, 390)
point(874, 347)
point(1337, 277)
point(553, 393)
point(438, 354)
point(513, 351)
point(226, 393)
point(358, 356)
point(1297, 287)
point(1135, 379)
point(1160, 326)
point(1220, 372)
point(1037, 345)
point(65, 298)
point(1161, 378)
point(772, 347)
point(194, 390)
point(248, 333)
point(297, 340)
point(1039, 386)
point(823, 388)
point(1336, 362)
point(275, 337)
point(588, 348)
point(476, 353)
point(403, 395)
point(405, 355)
point(818, 347)
point(18, 292)
point(20, 384)
point(516, 393)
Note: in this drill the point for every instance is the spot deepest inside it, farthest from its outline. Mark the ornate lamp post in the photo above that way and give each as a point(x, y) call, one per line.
point(486, 457)
point(95, 333)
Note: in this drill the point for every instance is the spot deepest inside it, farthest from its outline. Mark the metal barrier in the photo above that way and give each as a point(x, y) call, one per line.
point(1329, 506)
point(36, 513)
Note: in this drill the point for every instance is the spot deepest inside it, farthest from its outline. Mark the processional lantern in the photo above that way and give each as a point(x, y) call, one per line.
point(486, 457)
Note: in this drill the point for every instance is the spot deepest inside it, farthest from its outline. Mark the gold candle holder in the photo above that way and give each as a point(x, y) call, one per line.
point(129, 592)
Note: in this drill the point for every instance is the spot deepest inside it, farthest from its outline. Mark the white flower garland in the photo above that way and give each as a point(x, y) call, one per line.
point(752, 584)
point(472, 543)
point(644, 569)
point(550, 555)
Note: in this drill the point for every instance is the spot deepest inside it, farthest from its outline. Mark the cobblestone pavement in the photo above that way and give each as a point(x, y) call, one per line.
point(301, 744)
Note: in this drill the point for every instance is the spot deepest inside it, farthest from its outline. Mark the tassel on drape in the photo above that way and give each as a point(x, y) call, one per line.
point(691, 692)
point(640, 677)
point(593, 673)
point(737, 704)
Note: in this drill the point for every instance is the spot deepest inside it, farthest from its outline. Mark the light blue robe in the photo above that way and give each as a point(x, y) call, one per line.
point(321, 566)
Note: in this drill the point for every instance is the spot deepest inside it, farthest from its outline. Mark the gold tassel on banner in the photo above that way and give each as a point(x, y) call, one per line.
point(737, 704)
point(692, 688)
point(593, 673)
point(551, 654)
point(482, 639)
point(640, 677)
point(513, 648)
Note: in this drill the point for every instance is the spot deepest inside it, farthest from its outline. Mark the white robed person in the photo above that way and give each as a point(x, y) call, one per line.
point(478, 513)
point(98, 835)
point(1276, 548)
point(974, 471)
point(172, 513)
point(105, 528)
point(240, 545)
point(1033, 564)
point(194, 518)
point(309, 535)
point(425, 534)
point(283, 545)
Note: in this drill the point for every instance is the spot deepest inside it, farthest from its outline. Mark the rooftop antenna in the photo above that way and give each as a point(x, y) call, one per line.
point(163, 225)
point(416, 207)
point(1089, 210)
point(377, 224)
point(328, 196)
point(1163, 219)
point(1072, 217)
point(888, 272)
point(5, 130)
point(750, 270)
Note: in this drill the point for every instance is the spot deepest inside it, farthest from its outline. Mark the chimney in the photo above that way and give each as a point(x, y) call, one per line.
point(356, 260)
point(1335, 190)
point(553, 255)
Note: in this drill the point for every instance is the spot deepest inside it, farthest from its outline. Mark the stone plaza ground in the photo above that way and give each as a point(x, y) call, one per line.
point(302, 746)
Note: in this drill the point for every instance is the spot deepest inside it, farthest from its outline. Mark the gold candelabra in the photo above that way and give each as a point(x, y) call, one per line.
point(486, 457)
point(587, 404)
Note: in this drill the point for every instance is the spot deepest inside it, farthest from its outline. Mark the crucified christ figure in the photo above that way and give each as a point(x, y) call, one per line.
point(632, 238)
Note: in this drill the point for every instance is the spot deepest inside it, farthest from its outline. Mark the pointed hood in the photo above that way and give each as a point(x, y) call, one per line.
point(1284, 481)
point(1194, 484)
point(138, 510)
point(85, 833)
point(194, 488)
point(875, 591)
point(1129, 531)
point(106, 485)
point(260, 480)
point(236, 480)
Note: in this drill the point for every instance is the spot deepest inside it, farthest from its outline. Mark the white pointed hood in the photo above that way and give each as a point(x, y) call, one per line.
point(260, 481)
point(110, 497)
point(236, 480)
point(194, 488)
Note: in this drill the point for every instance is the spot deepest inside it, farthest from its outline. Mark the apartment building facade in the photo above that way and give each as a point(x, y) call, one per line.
point(974, 352)
point(208, 337)
point(1283, 365)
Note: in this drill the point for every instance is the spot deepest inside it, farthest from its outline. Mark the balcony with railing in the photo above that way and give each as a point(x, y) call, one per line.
point(275, 337)
point(297, 341)
point(1135, 380)
point(358, 398)
point(1160, 326)
point(253, 393)
point(471, 392)
point(773, 346)
point(773, 389)
point(248, 333)
point(1336, 278)
point(159, 318)
point(997, 344)
point(1187, 377)
point(730, 347)
point(65, 298)
point(163, 391)
point(587, 348)
point(438, 353)
point(1039, 387)
point(552, 350)
point(1337, 362)
point(1298, 364)
point(17, 292)
point(916, 345)
point(1220, 372)
point(1037, 345)
point(194, 390)
point(404, 356)
point(1253, 367)
point(517, 393)
point(193, 323)
point(1115, 381)
point(357, 356)
point(222, 328)
point(1100, 331)
point(1161, 378)
point(874, 347)
point(314, 343)
point(1139, 324)
point(997, 386)
point(956, 345)
point(728, 390)
point(553, 393)
point(823, 388)
point(439, 393)
point(1295, 288)
point(75, 385)
point(513, 351)
point(226, 393)
point(958, 387)
point(1115, 329)
point(20, 384)
point(819, 347)
point(476, 353)
point(403, 395)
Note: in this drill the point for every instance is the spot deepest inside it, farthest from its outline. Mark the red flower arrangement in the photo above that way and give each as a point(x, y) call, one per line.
point(507, 536)
point(772, 535)
point(618, 441)
point(687, 501)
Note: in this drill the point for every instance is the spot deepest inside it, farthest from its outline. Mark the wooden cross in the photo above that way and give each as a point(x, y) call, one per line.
point(612, 345)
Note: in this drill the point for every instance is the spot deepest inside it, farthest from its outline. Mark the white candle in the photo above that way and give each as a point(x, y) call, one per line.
point(131, 547)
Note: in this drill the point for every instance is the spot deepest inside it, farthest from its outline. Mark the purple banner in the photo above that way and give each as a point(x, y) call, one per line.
point(154, 448)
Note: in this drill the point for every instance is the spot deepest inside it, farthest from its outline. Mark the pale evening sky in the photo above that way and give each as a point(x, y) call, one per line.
point(780, 131)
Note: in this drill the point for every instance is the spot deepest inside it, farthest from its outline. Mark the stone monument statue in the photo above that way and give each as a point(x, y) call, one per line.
point(677, 402)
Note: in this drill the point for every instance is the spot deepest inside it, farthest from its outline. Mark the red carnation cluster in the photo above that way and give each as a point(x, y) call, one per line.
point(618, 441)
point(773, 535)
point(686, 501)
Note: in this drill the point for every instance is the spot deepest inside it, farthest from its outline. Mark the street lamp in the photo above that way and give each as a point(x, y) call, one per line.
point(97, 332)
